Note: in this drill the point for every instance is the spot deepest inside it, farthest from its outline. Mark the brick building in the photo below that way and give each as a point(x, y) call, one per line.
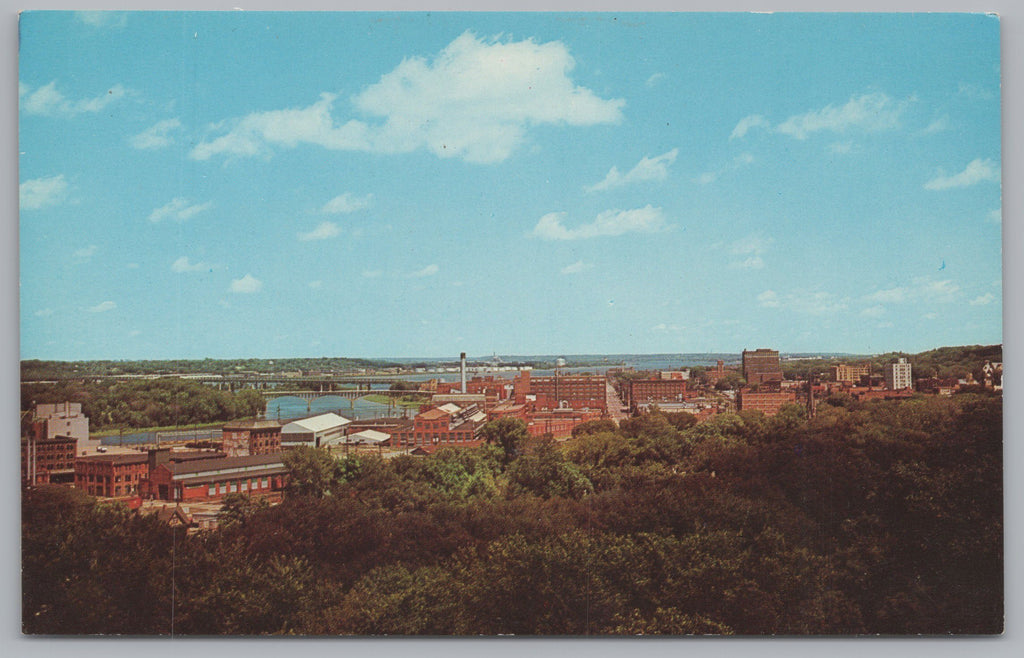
point(572, 391)
point(768, 402)
point(761, 365)
point(212, 478)
point(444, 425)
point(48, 461)
point(251, 437)
point(111, 476)
point(718, 373)
point(640, 391)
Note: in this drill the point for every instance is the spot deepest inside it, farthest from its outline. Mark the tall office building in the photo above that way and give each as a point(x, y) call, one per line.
point(897, 375)
point(761, 365)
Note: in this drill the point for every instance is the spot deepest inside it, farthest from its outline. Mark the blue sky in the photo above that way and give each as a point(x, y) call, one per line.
point(244, 184)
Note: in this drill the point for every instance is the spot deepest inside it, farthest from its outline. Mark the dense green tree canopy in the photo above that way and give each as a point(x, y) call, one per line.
point(871, 517)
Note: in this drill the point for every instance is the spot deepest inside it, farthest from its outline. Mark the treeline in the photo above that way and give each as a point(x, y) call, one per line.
point(146, 403)
point(880, 517)
point(34, 369)
point(944, 362)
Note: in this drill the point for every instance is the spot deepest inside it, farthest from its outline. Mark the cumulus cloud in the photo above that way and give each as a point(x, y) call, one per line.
point(157, 136)
point(576, 268)
point(608, 223)
point(750, 263)
point(741, 160)
point(648, 169)
point(183, 265)
point(103, 307)
point(868, 112)
point(49, 101)
point(921, 289)
point(323, 231)
point(804, 302)
point(248, 284)
point(876, 311)
point(977, 171)
point(347, 203)
point(938, 125)
point(475, 100)
point(429, 270)
point(86, 252)
point(42, 192)
point(746, 123)
point(984, 300)
point(102, 18)
point(179, 209)
point(654, 79)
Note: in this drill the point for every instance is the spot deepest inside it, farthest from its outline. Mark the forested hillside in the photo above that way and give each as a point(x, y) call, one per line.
point(146, 403)
point(880, 517)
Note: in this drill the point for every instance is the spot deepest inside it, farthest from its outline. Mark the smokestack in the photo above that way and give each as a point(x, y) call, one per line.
point(462, 359)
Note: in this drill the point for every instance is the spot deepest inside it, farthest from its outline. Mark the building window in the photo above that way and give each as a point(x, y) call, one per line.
point(265, 482)
point(212, 491)
point(234, 487)
point(245, 486)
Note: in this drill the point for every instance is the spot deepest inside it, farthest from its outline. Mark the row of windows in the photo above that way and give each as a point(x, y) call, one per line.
point(233, 487)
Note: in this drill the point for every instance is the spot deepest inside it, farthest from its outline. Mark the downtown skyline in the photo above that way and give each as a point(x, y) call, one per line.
point(381, 185)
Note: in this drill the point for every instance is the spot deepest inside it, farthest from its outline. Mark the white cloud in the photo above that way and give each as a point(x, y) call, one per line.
point(648, 169)
point(938, 125)
point(323, 231)
point(475, 100)
point(840, 147)
point(921, 289)
point(347, 203)
point(316, 285)
point(372, 274)
point(179, 209)
point(996, 216)
point(102, 18)
point(976, 172)
point(248, 284)
point(746, 123)
point(805, 302)
point(769, 299)
point(42, 192)
point(429, 270)
point(751, 263)
point(752, 247)
point(984, 300)
point(156, 137)
point(608, 223)
point(741, 160)
point(576, 268)
point(869, 112)
point(86, 252)
point(653, 80)
point(183, 265)
point(49, 101)
point(103, 307)
point(876, 311)
point(667, 328)
point(43, 313)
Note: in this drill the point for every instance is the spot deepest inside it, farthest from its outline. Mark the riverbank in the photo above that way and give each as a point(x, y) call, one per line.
point(386, 400)
point(107, 433)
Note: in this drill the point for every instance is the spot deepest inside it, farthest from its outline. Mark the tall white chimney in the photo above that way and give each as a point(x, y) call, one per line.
point(462, 360)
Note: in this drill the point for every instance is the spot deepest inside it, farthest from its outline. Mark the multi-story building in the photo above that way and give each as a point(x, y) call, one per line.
point(251, 437)
point(898, 375)
point(642, 391)
point(111, 476)
point(60, 419)
point(761, 365)
point(766, 401)
point(48, 461)
point(571, 391)
point(718, 373)
point(214, 478)
point(444, 425)
point(850, 374)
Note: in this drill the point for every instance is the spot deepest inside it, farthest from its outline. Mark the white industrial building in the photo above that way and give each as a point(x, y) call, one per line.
point(898, 375)
point(317, 432)
point(369, 437)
